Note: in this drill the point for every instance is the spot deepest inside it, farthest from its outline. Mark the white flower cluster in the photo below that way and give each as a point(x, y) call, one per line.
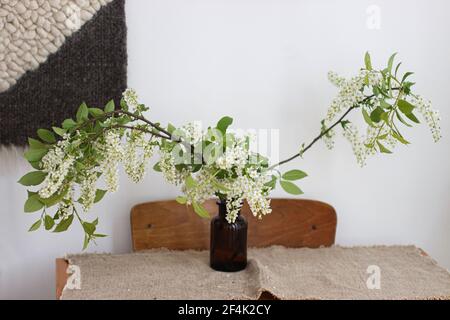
point(168, 169)
point(65, 210)
point(131, 98)
point(374, 78)
point(242, 181)
point(66, 207)
point(88, 190)
point(351, 91)
point(138, 151)
point(78, 160)
point(251, 189)
point(328, 139)
point(431, 116)
point(351, 133)
point(112, 152)
point(235, 155)
point(349, 94)
point(204, 189)
point(379, 130)
point(335, 79)
point(191, 132)
point(234, 206)
point(57, 164)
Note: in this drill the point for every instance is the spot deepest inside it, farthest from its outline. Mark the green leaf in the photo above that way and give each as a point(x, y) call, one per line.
point(36, 164)
point(385, 117)
point(99, 194)
point(181, 200)
point(200, 210)
point(397, 68)
point(33, 204)
point(123, 105)
point(405, 107)
point(46, 135)
point(367, 118)
point(399, 117)
point(96, 112)
point(82, 113)
point(391, 62)
point(33, 178)
point(156, 167)
point(86, 242)
point(89, 227)
point(383, 149)
point(407, 87)
point(110, 106)
point(385, 105)
point(290, 187)
point(171, 128)
point(68, 124)
point(190, 182)
point(399, 137)
point(293, 175)
point(48, 222)
point(98, 235)
point(55, 198)
point(59, 131)
point(272, 183)
point(36, 144)
point(223, 124)
point(368, 61)
point(64, 224)
point(30, 193)
point(412, 117)
point(375, 116)
point(406, 75)
point(35, 226)
point(219, 186)
point(344, 124)
point(33, 155)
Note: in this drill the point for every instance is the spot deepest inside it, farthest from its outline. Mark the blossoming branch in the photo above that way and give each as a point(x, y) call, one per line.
point(71, 161)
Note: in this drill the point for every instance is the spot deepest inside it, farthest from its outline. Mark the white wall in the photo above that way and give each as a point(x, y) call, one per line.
point(264, 63)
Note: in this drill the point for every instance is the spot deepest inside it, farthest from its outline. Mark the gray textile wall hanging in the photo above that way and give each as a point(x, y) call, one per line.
point(55, 54)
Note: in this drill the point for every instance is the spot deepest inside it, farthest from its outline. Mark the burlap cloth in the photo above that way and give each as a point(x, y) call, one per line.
point(325, 273)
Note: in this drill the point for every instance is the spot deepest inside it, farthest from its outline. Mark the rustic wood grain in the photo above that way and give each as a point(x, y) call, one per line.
point(61, 275)
point(293, 223)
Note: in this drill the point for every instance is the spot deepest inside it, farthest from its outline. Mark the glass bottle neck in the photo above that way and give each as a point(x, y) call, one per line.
point(222, 208)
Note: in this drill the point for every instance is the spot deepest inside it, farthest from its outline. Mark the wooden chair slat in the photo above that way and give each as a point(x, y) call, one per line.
point(292, 223)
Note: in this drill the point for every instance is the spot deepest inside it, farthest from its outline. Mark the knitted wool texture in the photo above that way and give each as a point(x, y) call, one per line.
point(55, 54)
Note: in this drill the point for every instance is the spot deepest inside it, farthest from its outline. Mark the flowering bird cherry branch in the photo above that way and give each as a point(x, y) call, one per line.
point(72, 160)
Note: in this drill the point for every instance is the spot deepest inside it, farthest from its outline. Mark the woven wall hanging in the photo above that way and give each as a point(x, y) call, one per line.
point(55, 54)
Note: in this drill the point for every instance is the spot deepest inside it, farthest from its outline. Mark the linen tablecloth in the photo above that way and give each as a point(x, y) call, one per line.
point(379, 272)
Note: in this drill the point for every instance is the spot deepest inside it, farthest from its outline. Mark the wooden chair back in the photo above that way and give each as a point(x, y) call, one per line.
point(292, 223)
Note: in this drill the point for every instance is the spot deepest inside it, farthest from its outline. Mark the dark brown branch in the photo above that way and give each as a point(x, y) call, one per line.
point(323, 133)
point(154, 125)
point(107, 114)
point(156, 134)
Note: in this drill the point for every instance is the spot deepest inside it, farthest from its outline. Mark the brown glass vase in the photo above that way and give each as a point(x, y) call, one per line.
point(228, 250)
